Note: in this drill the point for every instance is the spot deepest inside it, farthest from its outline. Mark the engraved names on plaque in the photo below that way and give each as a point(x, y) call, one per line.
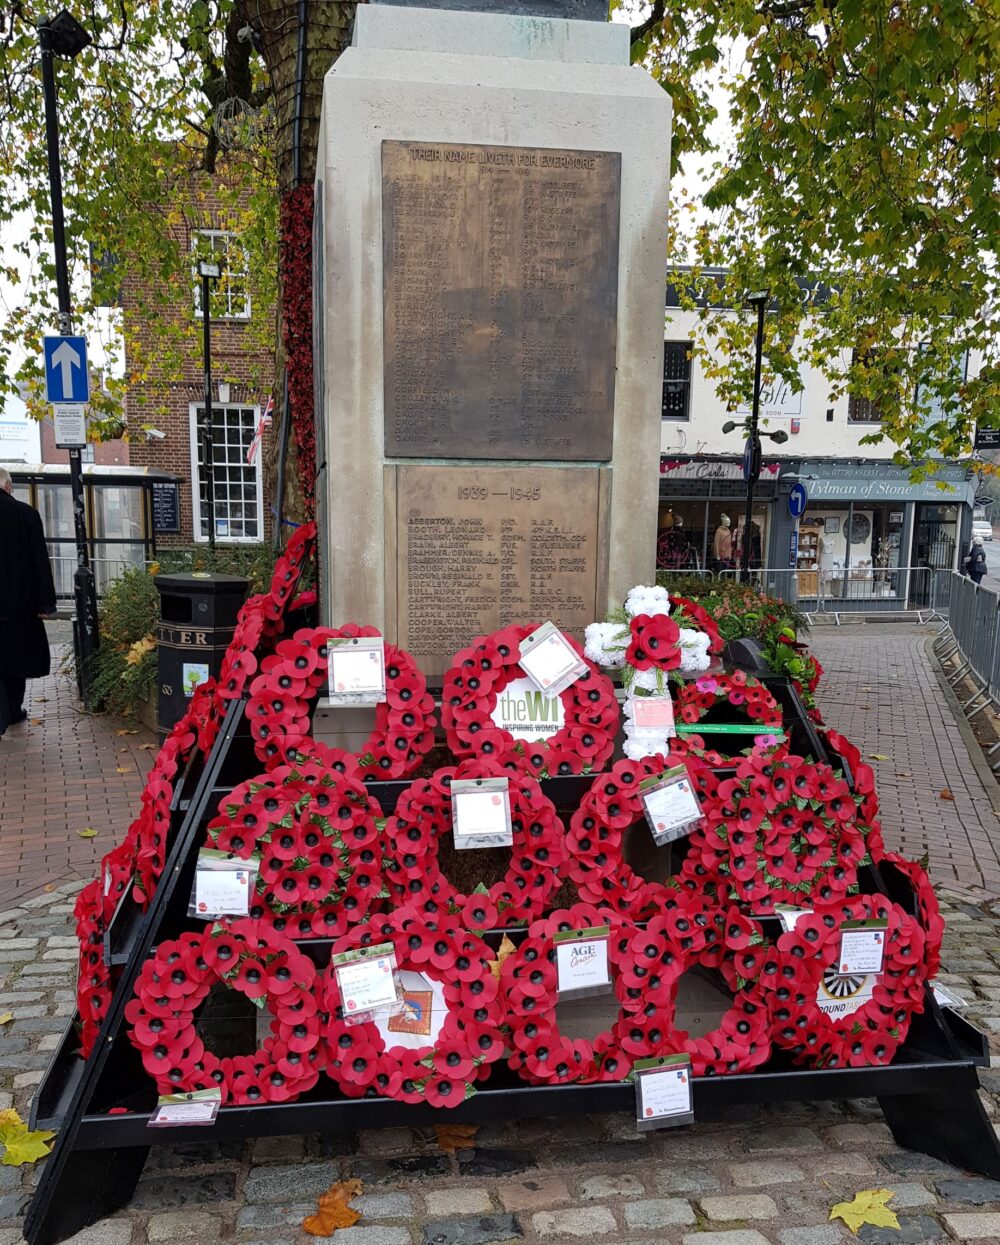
point(500, 270)
point(481, 547)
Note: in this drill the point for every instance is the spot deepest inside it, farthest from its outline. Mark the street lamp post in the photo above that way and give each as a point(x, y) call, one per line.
point(209, 272)
point(758, 300)
point(64, 36)
point(752, 450)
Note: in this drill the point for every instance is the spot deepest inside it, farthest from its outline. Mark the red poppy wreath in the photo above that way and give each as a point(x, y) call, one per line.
point(293, 677)
point(362, 1058)
point(529, 978)
point(258, 962)
point(597, 829)
point(575, 731)
point(928, 908)
point(780, 830)
point(314, 830)
point(692, 934)
point(742, 691)
point(795, 970)
point(423, 815)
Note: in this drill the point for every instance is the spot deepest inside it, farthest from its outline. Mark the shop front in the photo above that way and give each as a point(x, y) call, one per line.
point(702, 515)
point(873, 539)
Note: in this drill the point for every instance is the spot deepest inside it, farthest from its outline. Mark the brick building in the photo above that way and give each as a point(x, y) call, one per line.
point(168, 397)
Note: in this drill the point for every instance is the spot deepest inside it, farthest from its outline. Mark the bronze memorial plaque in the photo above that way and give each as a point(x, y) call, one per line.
point(480, 547)
point(500, 298)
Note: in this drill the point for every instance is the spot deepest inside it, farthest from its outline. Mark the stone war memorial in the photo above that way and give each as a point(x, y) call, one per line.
point(492, 190)
point(419, 853)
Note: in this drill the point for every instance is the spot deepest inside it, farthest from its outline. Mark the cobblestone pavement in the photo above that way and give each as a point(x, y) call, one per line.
point(760, 1176)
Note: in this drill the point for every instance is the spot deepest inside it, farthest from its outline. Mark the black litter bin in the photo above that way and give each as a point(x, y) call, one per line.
point(198, 614)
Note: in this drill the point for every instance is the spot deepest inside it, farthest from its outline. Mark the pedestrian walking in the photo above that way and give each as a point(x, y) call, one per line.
point(975, 563)
point(27, 595)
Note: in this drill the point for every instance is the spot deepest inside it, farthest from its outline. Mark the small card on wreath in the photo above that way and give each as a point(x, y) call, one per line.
point(663, 1096)
point(199, 1107)
point(549, 660)
point(480, 813)
point(651, 711)
point(670, 804)
point(222, 885)
point(862, 946)
point(356, 670)
point(368, 981)
point(582, 962)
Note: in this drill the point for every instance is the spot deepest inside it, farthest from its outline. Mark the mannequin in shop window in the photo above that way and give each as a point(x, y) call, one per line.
point(722, 544)
point(673, 552)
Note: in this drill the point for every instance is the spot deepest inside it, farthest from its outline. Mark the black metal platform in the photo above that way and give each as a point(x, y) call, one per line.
point(929, 1094)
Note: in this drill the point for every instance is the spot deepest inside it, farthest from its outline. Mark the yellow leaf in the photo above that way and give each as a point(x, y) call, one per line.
point(869, 1206)
point(6, 1018)
point(20, 1145)
point(333, 1211)
point(88, 832)
point(125, 732)
point(454, 1137)
point(505, 948)
point(125, 769)
point(877, 756)
point(149, 747)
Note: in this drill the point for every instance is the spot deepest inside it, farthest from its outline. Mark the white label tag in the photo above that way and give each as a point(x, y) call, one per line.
point(549, 660)
point(526, 712)
point(367, 984)
point(480, 812)
point(861, 950)
point(357, 672)
point(652, 711)
point(222, 892)
point(663, 1094)
point(671, 808)
point(199, 1107)
point(582, 964)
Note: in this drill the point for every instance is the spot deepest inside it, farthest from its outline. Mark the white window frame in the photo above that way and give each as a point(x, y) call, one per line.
point(196, 479)
point(232, 242)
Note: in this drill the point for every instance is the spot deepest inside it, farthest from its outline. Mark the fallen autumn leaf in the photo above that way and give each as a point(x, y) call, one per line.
point(333, 1211)
point(868, 1206)
point(454, 1137)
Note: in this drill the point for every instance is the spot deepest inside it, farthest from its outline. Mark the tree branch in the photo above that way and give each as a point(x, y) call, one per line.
point(651, 22)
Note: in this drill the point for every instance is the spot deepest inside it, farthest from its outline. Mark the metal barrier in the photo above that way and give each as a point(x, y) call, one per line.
point(970, 638)
point(106, 570)
point(920, 590)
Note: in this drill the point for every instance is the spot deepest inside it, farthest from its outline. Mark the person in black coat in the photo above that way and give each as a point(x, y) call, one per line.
point(975, 563)
point(27, 595)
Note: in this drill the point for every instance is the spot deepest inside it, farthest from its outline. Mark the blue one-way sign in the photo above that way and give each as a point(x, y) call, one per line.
point(66, 376)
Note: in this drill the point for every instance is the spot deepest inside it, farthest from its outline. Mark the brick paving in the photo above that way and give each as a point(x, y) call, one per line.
point(757, 1176)
point(61, 772)
point(881, 690)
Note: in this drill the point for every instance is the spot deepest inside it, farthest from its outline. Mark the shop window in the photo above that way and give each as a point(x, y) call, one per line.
point(230, 293)
point(862, 410)
point(238, 499)
point(677, 380)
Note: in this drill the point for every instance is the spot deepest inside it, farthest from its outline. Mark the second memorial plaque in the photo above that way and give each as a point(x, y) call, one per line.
point(500, 268)
point(478, 548)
